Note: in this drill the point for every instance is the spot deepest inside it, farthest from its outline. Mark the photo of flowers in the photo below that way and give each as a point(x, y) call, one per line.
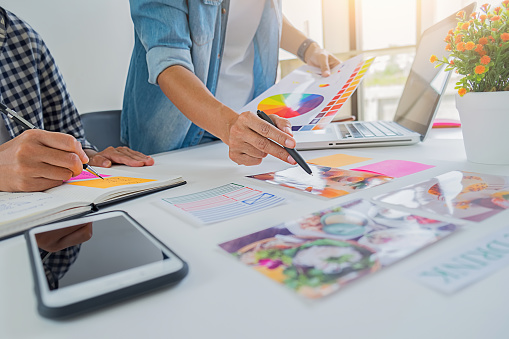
point(465, 195)
point(326, 181)
point(320, 253)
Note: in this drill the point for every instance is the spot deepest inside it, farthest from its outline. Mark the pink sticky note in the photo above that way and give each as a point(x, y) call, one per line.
point(86, 175)
point(394, 168)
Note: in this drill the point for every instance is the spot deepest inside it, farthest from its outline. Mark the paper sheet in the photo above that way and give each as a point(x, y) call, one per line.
point(337, 160)
point(324, 251)
point(394, 168)
point(326, 181)
point(87, 175)
point(464, 266)
point(109, 182)
point(223, 203)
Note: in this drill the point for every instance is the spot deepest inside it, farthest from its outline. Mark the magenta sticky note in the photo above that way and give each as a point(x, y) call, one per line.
point(394, 168)
point(86, 175)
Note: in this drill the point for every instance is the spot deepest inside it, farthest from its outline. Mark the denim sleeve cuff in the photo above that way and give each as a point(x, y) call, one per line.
point(160, 58)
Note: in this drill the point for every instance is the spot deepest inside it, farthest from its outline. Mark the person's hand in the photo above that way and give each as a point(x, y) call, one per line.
point(251, 139)
point(318, 57)
point(119, 155)
point(37, 160)
point(57, 240)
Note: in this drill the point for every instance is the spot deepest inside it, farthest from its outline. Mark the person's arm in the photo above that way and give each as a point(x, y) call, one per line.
point(246, 134)
point(292, 38)
point(37, 160)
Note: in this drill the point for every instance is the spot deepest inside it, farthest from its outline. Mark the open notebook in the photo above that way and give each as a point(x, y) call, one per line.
point(80, 195)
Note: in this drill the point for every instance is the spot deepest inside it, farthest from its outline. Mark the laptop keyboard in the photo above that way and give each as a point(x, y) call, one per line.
point(367, 130)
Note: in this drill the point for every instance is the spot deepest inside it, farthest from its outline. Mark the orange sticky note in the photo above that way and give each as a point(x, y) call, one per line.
point(110, 182)
point(337, 160)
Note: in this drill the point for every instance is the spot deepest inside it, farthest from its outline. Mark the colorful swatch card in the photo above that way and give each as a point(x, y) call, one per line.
point(87, 175)
point(465, 195)
point(462, 267)
point(337, 160)
point(324, 251)
point(326, 181)
point(222, 203)
point(309, 100)
point(394, 168)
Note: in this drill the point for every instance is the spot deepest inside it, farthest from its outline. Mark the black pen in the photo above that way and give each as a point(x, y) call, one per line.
point(296, 156)
point(23, 122)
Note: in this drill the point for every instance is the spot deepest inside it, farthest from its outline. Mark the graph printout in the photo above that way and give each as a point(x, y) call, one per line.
point(223, 203)
point(309, 100)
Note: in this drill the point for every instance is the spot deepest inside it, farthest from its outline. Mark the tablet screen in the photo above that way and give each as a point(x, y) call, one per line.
point(93, 250)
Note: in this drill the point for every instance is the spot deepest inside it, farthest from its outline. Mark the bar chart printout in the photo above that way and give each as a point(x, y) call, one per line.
point(222, 203)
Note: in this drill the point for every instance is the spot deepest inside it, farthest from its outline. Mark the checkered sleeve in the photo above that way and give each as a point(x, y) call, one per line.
point(60, 113)
point(56, 264)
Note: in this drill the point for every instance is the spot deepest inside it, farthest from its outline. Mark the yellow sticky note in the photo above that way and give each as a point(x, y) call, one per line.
point(337, 160)
point(109, 182)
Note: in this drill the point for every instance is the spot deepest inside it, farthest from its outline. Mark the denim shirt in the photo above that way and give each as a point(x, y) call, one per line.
point(190, 34)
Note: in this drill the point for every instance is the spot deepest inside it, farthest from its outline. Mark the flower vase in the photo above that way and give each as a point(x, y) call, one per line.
point(484, 120)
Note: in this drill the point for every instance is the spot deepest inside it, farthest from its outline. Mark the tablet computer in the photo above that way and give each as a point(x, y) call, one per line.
point(86, 263)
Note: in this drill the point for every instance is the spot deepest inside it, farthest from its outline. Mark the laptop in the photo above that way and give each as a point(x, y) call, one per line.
point(416, 109)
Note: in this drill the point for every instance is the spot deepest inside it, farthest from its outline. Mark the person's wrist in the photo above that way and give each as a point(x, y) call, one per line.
point(304, 48)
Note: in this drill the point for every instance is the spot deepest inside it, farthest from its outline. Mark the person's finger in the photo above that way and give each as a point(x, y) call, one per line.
point(122, 155)
point(333, 61)
point(58, 141)
point(48, 162)
point(324, 64)
point(20, 184)
point(268, 131)
point(282, 124)
point(98, 160)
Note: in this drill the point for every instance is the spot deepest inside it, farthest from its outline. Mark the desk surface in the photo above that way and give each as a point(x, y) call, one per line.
point(221, 298)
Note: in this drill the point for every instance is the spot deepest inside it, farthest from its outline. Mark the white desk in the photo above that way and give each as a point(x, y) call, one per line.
point(221, 298)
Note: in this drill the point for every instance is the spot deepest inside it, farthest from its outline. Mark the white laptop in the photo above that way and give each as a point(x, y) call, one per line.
point(416, 108)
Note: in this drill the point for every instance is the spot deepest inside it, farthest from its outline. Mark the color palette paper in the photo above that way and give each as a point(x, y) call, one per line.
point(309, 100)
point(222, 203)
point(322, 252)
point(394, 168)
point(337, 160)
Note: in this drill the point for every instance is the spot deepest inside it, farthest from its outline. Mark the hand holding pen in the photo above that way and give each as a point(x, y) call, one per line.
point(296, 156)
point(37, 160)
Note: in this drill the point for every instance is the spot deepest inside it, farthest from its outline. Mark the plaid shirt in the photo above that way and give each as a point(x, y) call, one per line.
point(31, 84)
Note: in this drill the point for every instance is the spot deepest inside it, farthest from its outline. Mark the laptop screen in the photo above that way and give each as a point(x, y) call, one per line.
point(425, 84)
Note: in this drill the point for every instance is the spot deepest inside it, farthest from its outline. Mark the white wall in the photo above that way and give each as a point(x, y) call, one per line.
point(91, 41)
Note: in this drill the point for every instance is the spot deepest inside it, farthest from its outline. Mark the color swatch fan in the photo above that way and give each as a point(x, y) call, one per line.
point(309, 100)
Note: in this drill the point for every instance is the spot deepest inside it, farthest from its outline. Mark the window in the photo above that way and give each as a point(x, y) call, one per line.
point(388, 30)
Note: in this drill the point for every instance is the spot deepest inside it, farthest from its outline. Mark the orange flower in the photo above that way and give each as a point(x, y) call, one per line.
point(465, 26)
point(505, 3)
point(473, 15)
point(460, 14)
point(458, 38)
point(460, 46)
point(448, 47)
point(483, 17)
point(505, 36)
point(485, 60)
point(485, 7)
point(470, 46)
point(479, 48)
point(491, 38)
point(497, 10)
point(482, 53)
point(495, 18)
point(483, 40)
point(451, 32)
point(433, 58)
point(480, 69)
point(452, 61)
point(448, 38)
point(462, 91)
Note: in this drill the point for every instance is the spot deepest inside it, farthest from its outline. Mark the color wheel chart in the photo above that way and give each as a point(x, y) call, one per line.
point(290, 105)
point(309, 100)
